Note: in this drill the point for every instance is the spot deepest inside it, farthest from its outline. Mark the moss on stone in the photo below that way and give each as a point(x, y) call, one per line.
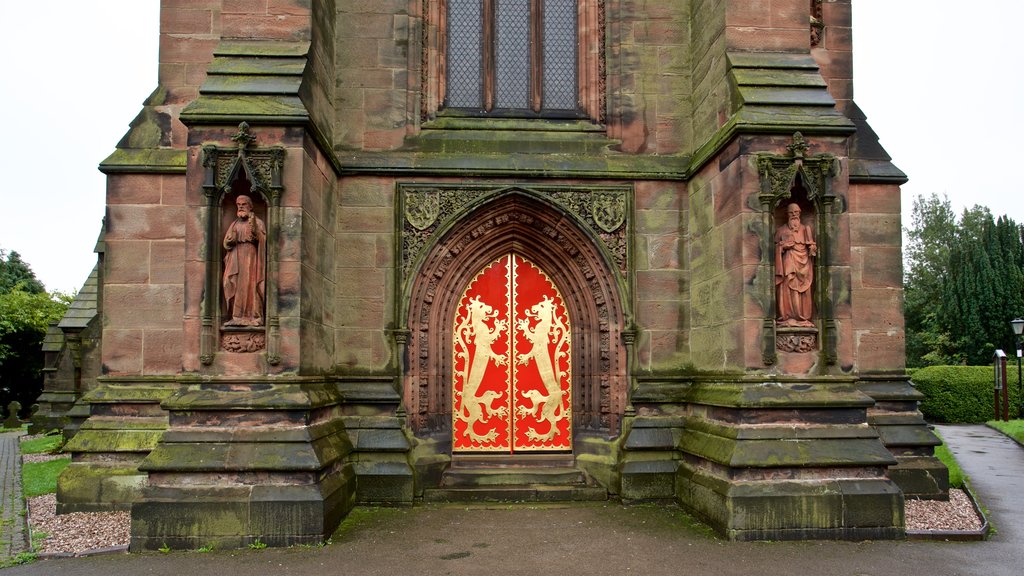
point(113, 440)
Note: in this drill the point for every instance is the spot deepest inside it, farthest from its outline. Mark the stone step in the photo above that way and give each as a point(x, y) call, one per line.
point(523, 493)
point(519, 460)
point(472, 477)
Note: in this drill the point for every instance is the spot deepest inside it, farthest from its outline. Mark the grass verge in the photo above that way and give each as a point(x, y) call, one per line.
point(956, 475)
point(1013, 428)
point(38, 478)
point(41, 445)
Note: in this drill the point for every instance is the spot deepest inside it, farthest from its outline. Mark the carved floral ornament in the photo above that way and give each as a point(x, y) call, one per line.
point(429, 210)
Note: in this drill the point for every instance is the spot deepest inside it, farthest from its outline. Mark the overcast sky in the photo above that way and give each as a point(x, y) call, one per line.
point(938, 79)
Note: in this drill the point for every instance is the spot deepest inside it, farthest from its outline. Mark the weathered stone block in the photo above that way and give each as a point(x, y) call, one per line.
point(98, 487)
point(649, 479)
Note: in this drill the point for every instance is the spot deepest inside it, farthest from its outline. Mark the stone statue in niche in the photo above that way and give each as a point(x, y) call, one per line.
point(244, 283)
point(795, 251)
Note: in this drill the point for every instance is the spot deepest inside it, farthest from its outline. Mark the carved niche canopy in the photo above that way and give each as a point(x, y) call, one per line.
point(261, 166)
point(222, 168)
point(779, 175)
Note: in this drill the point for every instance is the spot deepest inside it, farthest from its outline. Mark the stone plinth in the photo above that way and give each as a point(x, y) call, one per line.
point(126, 422)
point(247, 461)
point(771, 460)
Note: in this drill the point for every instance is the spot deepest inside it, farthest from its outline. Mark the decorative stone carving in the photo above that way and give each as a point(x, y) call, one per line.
point(245, 258)
point(262, 166)
point(602, 211)
point(421, 207)
point(795, 250)
point(799, 296)
point(608, 209)
point(802, 341)
point(242, 293)
point(243, 341)
point(779, 173)
point(817, 23)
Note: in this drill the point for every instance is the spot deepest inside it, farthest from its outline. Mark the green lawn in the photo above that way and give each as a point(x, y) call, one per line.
point(38, 478)
point(1014, 428)
point(41, 445)
point(956, 475)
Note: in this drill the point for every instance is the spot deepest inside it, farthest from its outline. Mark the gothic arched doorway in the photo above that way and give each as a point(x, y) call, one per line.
point(442, 261)
point(512, 362)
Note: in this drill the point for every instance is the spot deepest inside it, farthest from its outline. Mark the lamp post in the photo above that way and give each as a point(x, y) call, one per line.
point(1018, 328)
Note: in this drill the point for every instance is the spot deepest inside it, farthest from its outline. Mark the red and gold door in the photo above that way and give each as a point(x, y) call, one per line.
point(511, 362)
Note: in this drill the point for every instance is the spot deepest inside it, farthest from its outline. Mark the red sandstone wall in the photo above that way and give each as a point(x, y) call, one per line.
point(649, 76)
point(373, 99)
point(835, 53)
point(317, 268)
point(877, 331)
point(379, 59)
point(143, 295)
point(365, 253)
point(723, 257)
point(767, 25)
point(662, 294)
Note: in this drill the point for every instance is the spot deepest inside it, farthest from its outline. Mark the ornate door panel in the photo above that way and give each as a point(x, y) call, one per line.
point(511, 362)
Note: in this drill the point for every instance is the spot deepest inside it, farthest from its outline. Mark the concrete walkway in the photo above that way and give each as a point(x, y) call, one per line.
point(12, 517)
point(995, 465)
point(598, 539)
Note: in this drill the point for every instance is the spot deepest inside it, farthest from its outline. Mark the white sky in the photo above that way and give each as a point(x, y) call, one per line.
point(938, 79)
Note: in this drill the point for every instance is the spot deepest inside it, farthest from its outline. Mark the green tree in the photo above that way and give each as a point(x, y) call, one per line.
point(964, 282)
point(982, 287)
point(932, 236)
point(26, 310)
point(14, 271)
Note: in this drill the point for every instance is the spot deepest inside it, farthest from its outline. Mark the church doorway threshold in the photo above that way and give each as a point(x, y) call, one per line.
point(515, 478)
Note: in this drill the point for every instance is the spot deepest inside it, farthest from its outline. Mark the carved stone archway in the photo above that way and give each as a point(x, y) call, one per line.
point(527, 222)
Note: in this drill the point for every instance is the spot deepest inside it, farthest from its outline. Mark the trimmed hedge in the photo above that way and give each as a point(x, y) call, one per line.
point(963, 394)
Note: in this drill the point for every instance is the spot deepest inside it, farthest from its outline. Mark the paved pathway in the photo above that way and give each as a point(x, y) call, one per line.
point(12, 517)
point(599, 539)
point(995, 465)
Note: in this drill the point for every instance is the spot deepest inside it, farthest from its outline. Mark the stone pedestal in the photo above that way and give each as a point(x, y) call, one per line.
point(783, 460)
point(126, 422)
point(247, 461)
point(902, 428)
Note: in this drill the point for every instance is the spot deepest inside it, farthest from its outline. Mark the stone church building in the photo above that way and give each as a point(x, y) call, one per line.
point(410, 251)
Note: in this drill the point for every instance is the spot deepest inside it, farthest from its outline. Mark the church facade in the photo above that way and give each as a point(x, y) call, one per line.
point(444, 250)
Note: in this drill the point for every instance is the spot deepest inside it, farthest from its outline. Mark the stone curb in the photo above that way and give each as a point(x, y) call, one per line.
point(956, 535)
point(84, 553)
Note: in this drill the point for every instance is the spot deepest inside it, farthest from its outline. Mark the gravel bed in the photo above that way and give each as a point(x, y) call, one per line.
point(76, 532)
point(82, 532)
point(42, 457)
point(955, 514)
